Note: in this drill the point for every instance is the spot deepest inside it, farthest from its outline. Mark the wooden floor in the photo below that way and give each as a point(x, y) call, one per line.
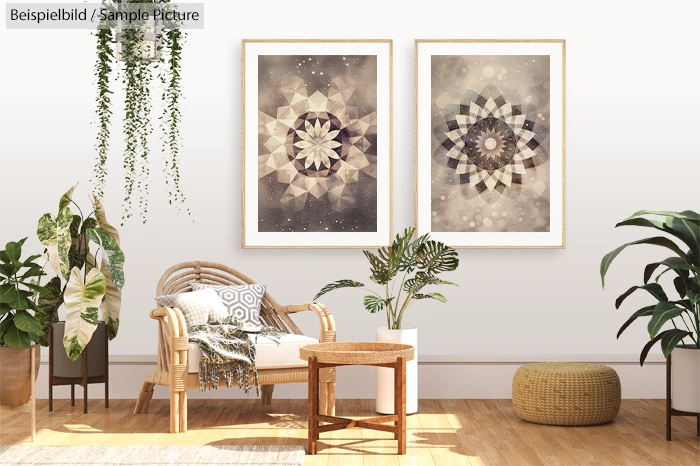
point(445, 432)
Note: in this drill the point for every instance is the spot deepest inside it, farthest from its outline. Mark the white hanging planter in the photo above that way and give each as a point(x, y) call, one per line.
point(385, 376)
point(150, 44)
point(685, 379)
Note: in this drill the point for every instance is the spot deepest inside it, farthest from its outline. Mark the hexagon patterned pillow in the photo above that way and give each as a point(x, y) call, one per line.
point(242, 301)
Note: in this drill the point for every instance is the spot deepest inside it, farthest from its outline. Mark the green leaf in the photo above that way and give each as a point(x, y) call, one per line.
point(653, 288)
point(25, 322)
point(14, 249)
point(79, 245)
point(336, 285)
point(82, 300)
point(4, 309)
point(29, 261)
point(643, 312)
point(436, 257)
point(54, 233)
point(687, 231)
point(421, 280)
point(4, 258)
point(647, 347)
point(48, 308)
point(436, 296)
point(66, 198)
point(15, 337)
point(673, 263)
point(379, 268)
point(8, 293)
point(113, 255)
point(663, 312)
point(656, 240)
point(111, 304)
point(671, 339)
point(408, 258)
point(375, 304)
point(37, 288)
point(679, 284)
point(686, 214)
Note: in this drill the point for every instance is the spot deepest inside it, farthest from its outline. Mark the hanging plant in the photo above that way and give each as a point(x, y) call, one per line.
point(139, 50)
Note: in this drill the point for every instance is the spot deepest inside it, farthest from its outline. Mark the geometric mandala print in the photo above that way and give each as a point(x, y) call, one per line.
point(242, 301)
point(490, 144)
point(317, 145)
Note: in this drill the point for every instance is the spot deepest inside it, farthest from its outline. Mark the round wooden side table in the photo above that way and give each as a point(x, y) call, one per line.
point(392, 355)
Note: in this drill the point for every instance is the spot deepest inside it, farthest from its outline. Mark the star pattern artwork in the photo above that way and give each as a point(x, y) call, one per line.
point(317, 143)
point(489, 133)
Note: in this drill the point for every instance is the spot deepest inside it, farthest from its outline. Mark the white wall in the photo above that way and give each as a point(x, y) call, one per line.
point(632, 121)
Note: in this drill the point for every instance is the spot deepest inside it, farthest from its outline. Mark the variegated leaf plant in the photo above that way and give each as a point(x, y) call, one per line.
point(90, 286)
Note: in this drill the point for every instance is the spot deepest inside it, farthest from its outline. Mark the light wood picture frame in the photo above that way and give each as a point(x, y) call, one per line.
point(490, 142)
point(317, 143)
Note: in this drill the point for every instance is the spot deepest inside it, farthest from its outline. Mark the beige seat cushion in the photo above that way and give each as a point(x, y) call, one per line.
point(269, 355)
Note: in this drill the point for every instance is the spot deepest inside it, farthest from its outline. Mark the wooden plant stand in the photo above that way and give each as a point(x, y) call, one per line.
point(32, 401)
point(328, 355)
point(669, 404)
point(83, 381)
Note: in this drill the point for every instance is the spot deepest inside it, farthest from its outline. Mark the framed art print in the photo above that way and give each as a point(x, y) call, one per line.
point(316, 143)
point(490, 142)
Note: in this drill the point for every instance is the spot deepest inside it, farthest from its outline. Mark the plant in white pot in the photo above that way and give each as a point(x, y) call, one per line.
point(403, 270)
point(683, 314)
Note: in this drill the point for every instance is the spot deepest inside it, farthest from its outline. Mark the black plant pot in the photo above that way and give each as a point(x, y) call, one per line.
point(97, 348)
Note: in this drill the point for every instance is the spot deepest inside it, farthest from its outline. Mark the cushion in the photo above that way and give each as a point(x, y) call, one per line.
point(198, 307)
point(268, 355)
point(242, 301)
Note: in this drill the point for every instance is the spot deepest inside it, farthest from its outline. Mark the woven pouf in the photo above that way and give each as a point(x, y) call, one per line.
point(566, 393)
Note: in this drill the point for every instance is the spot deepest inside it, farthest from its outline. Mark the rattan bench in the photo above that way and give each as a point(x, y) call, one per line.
point(172, 366)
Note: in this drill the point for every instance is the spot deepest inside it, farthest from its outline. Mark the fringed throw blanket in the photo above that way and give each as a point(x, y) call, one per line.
point(229, 351)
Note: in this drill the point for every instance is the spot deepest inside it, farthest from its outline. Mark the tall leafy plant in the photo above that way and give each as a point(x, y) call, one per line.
point(137, 80)
point(84, 284)
point(19, 290)
point(403, 270)
point(684, 313)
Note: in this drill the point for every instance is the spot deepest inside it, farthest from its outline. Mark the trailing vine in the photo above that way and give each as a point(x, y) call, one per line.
point(103, 68)
point(173, 40)
point(136, 77)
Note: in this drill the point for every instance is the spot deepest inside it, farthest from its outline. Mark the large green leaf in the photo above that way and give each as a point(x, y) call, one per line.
point(66, 198)
point(656, 240)
point(102, 221)
point(436, 296)
point(25, 322)
point(686, 214)
point(16, 338)
point(111, 304)
point(421, 280)
point(663, 312)
point(379, 268)
point(54, 233)
point(436, 257)
point(672, 263)
point(647, 347)
point(14, 250)
point(48, 305)
point(643, 312)
point(671, 339)
point(410, 255)
point(336, 285)
point(375, 303)
point(79, 246)
point(8, 293)
point(113, 255)
point(82, 299)
point(653, 288)
point(687, 231)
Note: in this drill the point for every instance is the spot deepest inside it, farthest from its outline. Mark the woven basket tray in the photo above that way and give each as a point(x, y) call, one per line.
point(357, 352)
point(566, 394)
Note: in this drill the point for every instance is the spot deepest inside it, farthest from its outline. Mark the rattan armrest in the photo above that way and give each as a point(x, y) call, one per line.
point(325, 318)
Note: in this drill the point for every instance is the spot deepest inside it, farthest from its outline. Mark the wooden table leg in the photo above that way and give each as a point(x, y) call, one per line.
point(400, 403)
point(313, 406)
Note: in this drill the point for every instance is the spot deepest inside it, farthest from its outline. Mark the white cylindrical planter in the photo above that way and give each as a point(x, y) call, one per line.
point(385, 376)
point(685, 379)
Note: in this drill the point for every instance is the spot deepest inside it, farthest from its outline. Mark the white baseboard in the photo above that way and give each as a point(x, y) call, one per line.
point(439, 376)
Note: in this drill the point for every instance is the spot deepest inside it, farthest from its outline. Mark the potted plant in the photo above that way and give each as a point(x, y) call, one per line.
point(683, 313)
point(403, 270)
point(19, 330)
point(84, 284)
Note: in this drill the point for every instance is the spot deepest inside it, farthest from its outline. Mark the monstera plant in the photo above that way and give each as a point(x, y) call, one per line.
point(84, 284)
point(683, 314)
point(393, 265)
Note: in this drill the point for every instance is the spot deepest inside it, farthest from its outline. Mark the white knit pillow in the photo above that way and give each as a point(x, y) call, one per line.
point(198, 307)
